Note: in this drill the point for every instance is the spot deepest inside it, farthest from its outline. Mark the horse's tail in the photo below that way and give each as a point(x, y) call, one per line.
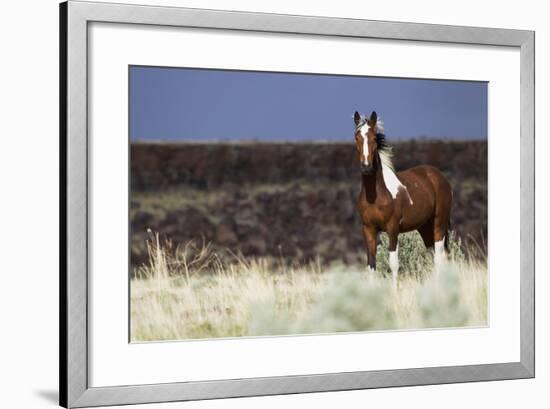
point(447, 233)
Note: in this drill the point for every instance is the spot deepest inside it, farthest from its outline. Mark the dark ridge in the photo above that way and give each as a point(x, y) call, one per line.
point(294, 201)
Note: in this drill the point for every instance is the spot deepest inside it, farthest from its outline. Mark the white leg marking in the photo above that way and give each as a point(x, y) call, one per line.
point(371, 273)
point(394, 264)
point(439, 254)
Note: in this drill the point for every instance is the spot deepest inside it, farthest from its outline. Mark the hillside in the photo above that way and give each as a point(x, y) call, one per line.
point(294, 202)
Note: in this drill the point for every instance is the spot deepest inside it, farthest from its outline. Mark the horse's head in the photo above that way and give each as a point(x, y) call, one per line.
point(366, 139)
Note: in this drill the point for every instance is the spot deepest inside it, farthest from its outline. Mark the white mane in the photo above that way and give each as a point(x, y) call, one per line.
point(379, 126)
point(364, 126)
point(386, 156)
point(392, 182)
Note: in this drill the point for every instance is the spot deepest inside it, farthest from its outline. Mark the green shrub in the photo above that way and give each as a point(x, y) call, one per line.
point(439, 300)
point(350, 302)
point(414, 259)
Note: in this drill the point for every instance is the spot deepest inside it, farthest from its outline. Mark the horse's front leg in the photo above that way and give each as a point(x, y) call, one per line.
point(370, 234)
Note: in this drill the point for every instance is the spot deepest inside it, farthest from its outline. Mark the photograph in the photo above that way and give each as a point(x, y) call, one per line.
point(282, 203)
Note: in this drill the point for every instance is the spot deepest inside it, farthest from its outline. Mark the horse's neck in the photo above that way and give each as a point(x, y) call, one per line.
point(373, 184)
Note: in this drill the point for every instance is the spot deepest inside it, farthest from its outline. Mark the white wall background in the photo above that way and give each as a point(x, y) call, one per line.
point(29, 202)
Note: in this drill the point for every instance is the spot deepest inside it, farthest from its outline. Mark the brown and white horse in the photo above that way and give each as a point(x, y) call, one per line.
point(418, 198)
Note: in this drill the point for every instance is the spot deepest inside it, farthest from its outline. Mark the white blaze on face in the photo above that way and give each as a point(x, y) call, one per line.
point(364, 130)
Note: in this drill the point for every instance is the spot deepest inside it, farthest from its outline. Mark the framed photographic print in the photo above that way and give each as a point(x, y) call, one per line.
point(258, 204)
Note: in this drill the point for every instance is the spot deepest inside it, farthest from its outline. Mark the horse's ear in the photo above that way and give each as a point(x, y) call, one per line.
point(373, 118)
point(356, 118)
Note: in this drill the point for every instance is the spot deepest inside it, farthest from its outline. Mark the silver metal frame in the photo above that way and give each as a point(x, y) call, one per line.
point(74, 19)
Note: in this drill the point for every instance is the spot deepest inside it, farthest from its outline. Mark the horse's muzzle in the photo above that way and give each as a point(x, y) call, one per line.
point(366, 169)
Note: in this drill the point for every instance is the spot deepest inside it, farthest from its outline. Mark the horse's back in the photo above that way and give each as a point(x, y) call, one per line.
point(429, 177)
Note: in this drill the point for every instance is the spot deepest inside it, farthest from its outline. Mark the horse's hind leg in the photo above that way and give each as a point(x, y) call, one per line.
point(441, 226)
point(427, 233)
point(431, 235)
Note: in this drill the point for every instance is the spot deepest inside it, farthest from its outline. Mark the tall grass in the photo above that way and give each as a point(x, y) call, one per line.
point(190, 292)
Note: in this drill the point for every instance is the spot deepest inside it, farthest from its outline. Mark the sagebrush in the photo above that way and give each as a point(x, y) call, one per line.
point(191, 292)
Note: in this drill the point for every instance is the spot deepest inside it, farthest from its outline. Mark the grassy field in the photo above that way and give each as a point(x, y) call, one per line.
point(191, 291)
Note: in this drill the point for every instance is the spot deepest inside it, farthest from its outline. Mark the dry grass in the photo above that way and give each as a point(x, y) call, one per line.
point(189, 292)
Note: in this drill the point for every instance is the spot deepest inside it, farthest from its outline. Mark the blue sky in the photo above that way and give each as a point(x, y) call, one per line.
point(174, 104)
